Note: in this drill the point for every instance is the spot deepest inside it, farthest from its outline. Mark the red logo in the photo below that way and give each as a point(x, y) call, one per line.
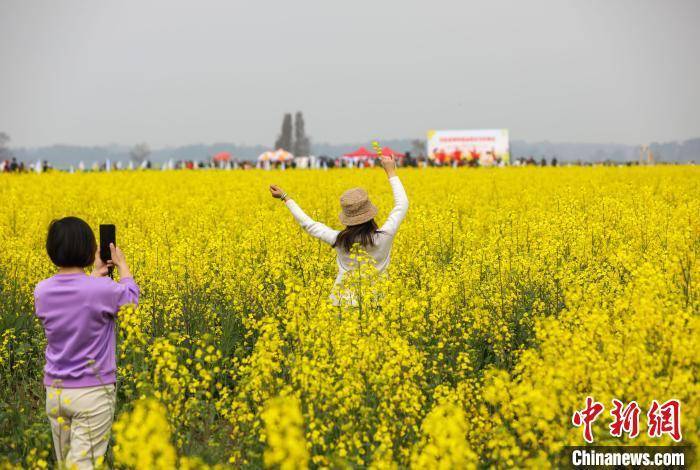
point(661, 419)
point(587, 416)
point(625, 419)
point(665, 419)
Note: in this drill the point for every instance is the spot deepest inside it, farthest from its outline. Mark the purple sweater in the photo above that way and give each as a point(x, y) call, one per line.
point(78, 312)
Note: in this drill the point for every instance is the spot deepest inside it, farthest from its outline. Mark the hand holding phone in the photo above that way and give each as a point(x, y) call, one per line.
point(100, 268)
point(118, 258)
point(108, 237)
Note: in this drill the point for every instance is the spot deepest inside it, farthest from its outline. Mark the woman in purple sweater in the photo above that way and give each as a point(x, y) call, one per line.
point(77, 312)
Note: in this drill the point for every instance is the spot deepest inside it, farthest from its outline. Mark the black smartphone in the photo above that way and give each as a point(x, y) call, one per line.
point(108, 234)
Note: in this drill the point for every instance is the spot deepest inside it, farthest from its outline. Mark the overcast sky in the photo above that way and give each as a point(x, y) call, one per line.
point(175, 72)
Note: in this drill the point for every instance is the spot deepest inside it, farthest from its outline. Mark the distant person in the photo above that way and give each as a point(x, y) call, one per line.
point(357, 215)
point(554, 161)
point(77, 312)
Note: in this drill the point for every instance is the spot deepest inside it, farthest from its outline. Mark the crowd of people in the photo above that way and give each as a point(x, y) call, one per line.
point(531, 161)
point(322, 162)
point(12, 165)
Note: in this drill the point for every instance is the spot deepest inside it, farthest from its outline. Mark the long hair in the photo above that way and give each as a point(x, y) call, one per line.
point(362, 234)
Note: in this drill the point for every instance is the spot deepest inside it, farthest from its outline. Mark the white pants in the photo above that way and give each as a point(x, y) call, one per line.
point(81, 421)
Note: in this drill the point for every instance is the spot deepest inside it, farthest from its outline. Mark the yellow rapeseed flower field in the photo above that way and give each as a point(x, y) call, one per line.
point(512, 295)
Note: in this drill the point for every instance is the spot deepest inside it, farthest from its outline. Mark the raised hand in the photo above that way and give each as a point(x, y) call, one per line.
point(118, 257)
point(100, 268)
point(276, 191)
point(119, 260)
point(389, 164)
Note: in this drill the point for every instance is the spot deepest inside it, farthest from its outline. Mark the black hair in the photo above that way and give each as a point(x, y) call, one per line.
point(71, 243)
point(362, 234)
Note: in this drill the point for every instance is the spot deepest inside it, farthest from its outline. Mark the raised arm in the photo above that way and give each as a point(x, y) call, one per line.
point(117, 294)
point(313, 228)
point(126, 290)
point(397, 214)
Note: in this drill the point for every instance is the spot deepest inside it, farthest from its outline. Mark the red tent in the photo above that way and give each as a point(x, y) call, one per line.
point(360, 153)
point(390, 151)
point(222, 157)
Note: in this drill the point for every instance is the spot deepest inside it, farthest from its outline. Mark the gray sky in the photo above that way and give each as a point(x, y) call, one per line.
point(175, 72)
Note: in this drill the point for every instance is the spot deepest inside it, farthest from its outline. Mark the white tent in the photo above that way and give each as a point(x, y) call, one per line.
point(279, 155)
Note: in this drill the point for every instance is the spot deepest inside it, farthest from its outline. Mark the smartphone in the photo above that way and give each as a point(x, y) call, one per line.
point(108, 234)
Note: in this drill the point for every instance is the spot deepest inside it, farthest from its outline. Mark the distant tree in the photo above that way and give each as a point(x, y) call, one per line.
point(139, 153)
point(284, 141)
point(418, 148)
point(4, 149)
point(302, 144)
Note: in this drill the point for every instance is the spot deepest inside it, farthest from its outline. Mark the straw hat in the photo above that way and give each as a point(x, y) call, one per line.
point(357, 208)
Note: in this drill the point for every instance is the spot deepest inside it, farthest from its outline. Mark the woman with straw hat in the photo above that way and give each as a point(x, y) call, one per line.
point(357, 215)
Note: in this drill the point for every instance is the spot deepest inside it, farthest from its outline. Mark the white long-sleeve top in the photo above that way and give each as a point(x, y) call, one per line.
point(383, 239)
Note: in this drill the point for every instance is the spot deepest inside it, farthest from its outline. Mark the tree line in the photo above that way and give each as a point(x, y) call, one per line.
point(293, 138)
